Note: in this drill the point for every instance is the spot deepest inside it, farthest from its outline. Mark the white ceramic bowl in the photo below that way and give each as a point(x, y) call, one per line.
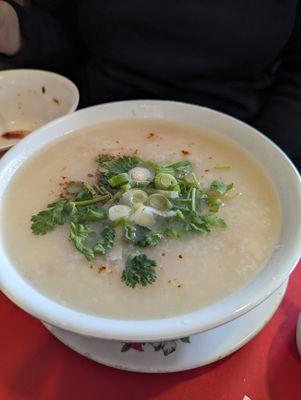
point(31, 98)
point(274, 273)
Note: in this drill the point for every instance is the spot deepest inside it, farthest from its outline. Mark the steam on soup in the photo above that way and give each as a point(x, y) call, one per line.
point(145, 219)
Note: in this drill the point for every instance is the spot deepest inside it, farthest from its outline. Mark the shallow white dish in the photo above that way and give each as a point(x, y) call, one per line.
point(265, 283)
point(31, 98)
point(202, 349)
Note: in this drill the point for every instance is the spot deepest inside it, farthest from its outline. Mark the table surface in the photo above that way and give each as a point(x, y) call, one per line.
point(35, 365)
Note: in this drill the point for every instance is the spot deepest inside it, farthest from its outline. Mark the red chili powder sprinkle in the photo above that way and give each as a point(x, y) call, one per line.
point(55, 100)
point(90, 175)
point(101, 268)
point(185, 152)
point(151, 135)
point(206, 170)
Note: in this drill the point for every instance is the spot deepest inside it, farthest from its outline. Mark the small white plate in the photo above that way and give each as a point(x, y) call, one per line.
point(31, 98)
point(204, 348)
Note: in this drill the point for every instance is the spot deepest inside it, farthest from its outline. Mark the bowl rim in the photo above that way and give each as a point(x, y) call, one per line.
point(42, 307)
point(74, 98)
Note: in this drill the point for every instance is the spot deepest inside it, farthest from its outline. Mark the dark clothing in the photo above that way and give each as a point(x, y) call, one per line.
point(243, 58)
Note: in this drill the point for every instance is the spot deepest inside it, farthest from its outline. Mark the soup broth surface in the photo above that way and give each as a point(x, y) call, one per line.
point(192, 272)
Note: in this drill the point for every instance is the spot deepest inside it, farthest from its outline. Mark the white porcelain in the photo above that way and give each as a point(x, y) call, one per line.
point(268, 280)
point(31, 98)
point(298, 334)
point(204, 348)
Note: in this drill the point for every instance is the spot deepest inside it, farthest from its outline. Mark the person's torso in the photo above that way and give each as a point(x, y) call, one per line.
point(192, 50)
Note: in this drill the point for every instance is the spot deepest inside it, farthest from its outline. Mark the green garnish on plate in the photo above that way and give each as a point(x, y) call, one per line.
point(136, 203)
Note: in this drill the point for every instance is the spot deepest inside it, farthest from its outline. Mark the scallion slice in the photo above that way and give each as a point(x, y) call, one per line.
point(133, 196)
point(165, 181)
point(119, 180)
point(118, 212)
point(170, 194)
point(140, 174)
point(159, 201)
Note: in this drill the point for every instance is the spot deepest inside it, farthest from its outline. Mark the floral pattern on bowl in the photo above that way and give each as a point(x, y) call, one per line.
point(166, 347)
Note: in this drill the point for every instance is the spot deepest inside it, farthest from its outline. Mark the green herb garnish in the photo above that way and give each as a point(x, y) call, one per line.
point(117, 165)
point(46, 221)
point(107, 243)
point(139, 270)
point(136, 203)
point(145, 237)
point(220, 187)
point(79, 234)
point(222, 166)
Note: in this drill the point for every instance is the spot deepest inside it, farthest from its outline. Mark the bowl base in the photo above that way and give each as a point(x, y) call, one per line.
point(176, 355)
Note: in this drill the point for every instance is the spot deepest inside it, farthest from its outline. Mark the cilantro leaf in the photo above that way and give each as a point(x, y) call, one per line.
point(213, 220)
point(45, 221)
point(214, 203)
point(144, 237)
point(103, 158)
point(119, 165)
point(151, 238)
point(181, 168)
point(108, 235)
point(196, 223)
point(174, 232)
point(139, 270)
point(157, 168)
point(79, 234)
point(86, 193)
point(220, 187)
point(88, 213)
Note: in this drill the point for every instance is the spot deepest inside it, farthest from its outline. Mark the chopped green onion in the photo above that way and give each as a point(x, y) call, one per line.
point(135, 207)
point(165, 181)
point(170, 194)
point(196, 181)
point(119, 180)
point(181, 168)
point(144, 216)
point(193, 193)
point(118, 212)
point(133, 196)
point(125, 187)
point(167, 170)
point(159, 202)
point(222, 166)
point(140, 174)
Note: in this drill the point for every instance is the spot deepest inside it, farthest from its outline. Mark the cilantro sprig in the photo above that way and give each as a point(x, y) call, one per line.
point(139, 270)
point(47, 220)
point(174, 203)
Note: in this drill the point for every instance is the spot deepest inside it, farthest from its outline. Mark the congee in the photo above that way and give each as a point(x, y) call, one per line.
point(140, 219)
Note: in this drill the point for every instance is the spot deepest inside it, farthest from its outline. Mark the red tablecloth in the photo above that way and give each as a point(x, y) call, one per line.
point(35, 365)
